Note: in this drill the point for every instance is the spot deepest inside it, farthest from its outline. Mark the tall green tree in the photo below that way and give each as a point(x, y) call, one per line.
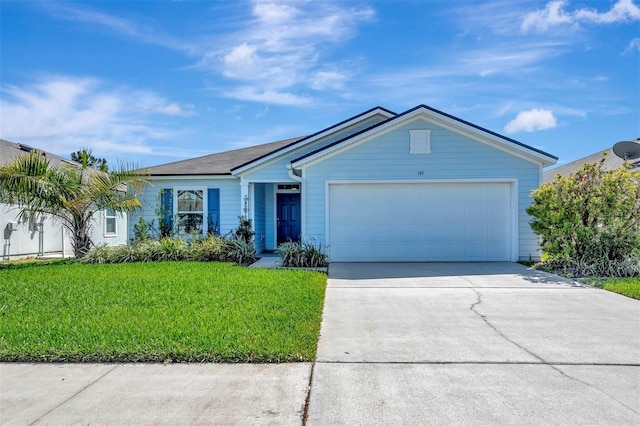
point(590, 216)
point(73, 194)
point(86, 158)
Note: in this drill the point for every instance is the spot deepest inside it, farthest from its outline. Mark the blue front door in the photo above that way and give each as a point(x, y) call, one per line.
point(288, 218)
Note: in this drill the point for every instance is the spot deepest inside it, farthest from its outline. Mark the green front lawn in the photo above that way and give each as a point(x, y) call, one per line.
point(165, 311)
point(629, 287)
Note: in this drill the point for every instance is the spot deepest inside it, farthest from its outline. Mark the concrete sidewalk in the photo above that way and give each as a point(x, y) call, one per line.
point(153, 394)
point(473, 343)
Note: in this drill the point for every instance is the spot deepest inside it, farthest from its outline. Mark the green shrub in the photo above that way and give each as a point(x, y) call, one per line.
point(239, 251)
point(245, 225)
point(142, 230)
point(209, 249)
point(594, 268)
point(303, 255)
point(590, 220)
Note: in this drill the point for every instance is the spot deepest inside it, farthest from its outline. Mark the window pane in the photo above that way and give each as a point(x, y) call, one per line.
point(190, 200)
point(111, 225)
point(189, 222)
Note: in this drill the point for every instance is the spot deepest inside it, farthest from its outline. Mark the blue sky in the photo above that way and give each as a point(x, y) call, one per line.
point(153, 82)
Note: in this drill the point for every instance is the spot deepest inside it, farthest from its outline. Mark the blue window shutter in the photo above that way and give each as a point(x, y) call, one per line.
point(213, 210)
point(167, 206)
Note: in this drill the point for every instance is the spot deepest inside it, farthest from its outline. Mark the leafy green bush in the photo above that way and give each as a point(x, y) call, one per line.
point(303, 255)
point(142, 230)
point(245, 225)
point(210, 249)
point(590, 220)
point(239, 251)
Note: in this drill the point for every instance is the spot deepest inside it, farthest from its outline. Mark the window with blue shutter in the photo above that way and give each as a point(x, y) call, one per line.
point(213, 211)
point(166, 214)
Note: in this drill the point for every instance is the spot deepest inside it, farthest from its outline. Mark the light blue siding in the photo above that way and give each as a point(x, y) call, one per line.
point(276, 171)
point(259, 217)
point(229, 199)
point(270, 217)
point(264, 216)
point(452, 156)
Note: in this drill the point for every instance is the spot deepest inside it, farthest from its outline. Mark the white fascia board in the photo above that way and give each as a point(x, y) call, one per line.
point(487, 138)
point(444, 122)
point(195, 177)
point(276, 155)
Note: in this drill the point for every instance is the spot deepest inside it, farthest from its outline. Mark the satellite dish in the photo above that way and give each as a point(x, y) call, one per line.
point(627, 150)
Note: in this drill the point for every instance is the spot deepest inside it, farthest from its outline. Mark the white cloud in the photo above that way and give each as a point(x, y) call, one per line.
point(275, 97)
point(282, 47)
point(79, 13)
point(274, 13)
point(62, 113)
point(328, 79)
point(531, 120)
point(634, 45)
point(622, 11)
point(555, 14)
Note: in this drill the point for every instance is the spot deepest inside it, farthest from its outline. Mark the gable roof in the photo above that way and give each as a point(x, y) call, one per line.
point(218, 164)
point(239, 160)
point(611, 161)
point(546, 158)
point(10, 150)
point(324, 132)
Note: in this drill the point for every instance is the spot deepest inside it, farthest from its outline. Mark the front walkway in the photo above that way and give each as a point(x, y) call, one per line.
point(473, 343)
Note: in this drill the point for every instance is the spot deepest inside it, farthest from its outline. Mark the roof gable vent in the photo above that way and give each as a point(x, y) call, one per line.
point(420, 141)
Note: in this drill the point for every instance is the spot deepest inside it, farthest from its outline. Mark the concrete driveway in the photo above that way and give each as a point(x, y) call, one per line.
point(473, 343)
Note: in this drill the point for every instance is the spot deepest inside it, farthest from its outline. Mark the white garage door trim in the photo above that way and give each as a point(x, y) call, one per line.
point(513, 207)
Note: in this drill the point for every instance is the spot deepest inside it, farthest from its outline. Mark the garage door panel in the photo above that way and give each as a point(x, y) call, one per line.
point(453, 211)
point(415, 221)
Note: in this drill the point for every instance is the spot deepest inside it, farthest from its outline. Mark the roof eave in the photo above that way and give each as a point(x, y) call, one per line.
point(308, 139)
point(534, 154)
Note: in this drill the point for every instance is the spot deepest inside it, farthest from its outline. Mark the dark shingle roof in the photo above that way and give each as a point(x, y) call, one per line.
point(218, 164)
point(612, 161)
point(10, 150)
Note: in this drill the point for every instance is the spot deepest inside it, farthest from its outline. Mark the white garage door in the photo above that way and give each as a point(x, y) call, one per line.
point(419, 222)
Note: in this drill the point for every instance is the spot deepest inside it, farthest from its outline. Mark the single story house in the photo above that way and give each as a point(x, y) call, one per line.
point(421, 185)
point(611, 161)
point(47, 236)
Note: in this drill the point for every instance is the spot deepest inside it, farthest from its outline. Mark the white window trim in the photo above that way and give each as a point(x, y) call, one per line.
point(205, 203)
point(106, 219)
point(420, 141)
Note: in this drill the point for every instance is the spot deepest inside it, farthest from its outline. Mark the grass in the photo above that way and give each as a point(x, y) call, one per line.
point(629, 287)
point(165, 311)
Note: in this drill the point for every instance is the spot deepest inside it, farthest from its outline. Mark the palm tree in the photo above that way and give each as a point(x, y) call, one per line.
point(87, 159)
point(69, 192)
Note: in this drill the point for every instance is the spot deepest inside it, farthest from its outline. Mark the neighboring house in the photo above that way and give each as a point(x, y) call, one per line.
point(611, 161)
point(417, 186)
point(46, 237)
